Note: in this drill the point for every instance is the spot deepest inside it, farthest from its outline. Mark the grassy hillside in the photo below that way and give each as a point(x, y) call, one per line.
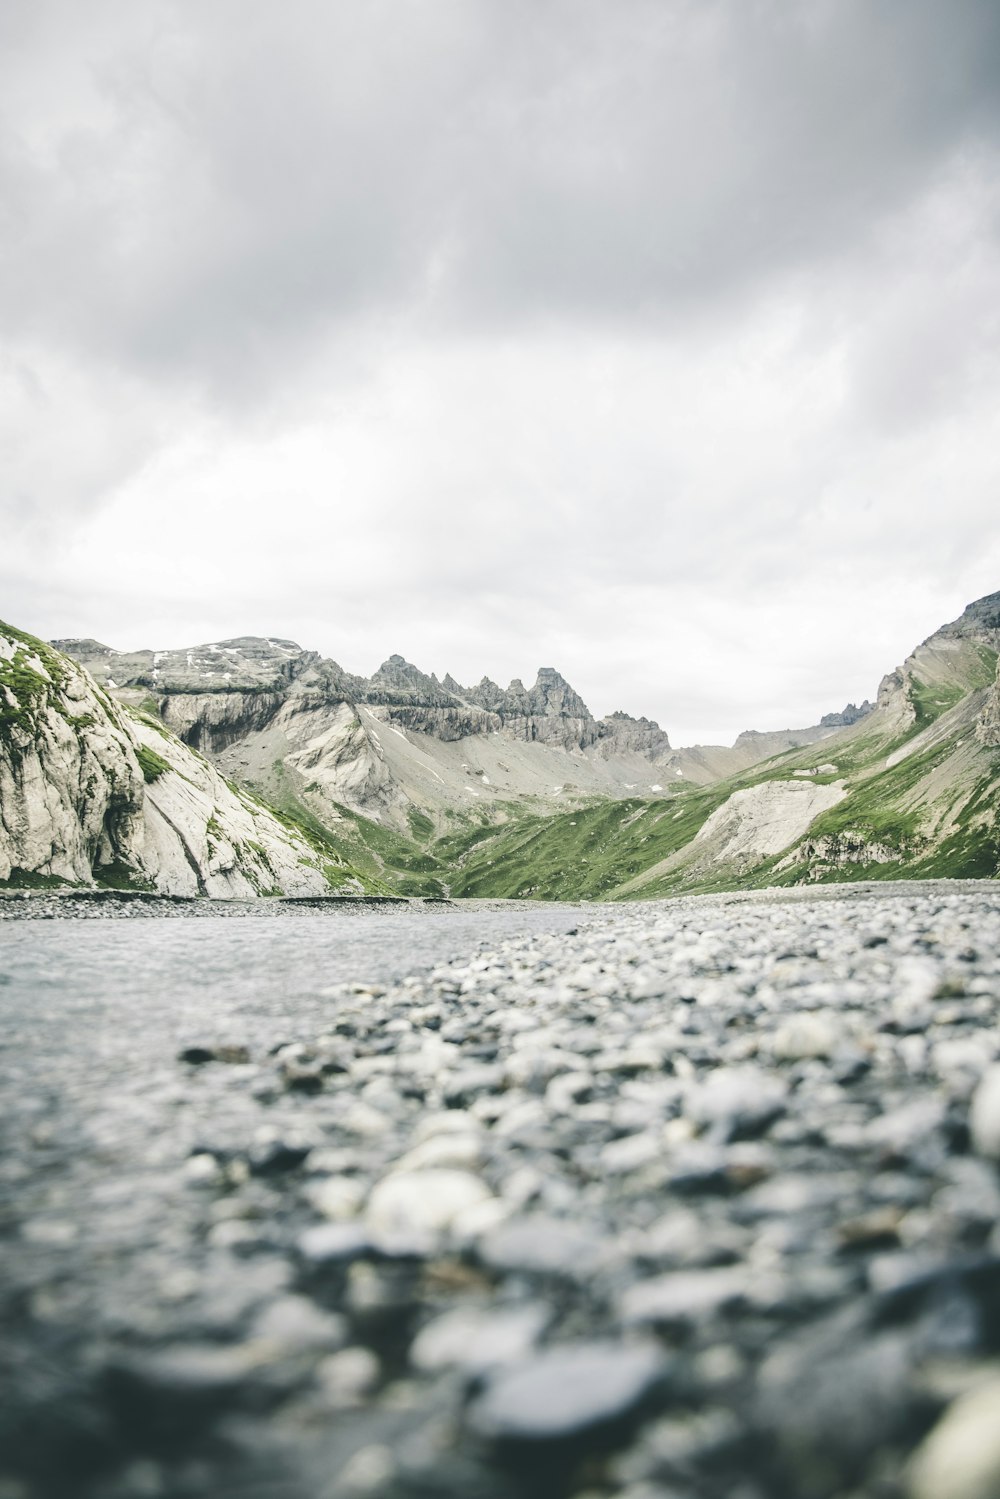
point(922, 799)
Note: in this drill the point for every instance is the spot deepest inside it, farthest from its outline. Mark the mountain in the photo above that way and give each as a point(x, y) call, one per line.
point(93, 791)
point(254, 765)
point(308, 736)
point(910, 789)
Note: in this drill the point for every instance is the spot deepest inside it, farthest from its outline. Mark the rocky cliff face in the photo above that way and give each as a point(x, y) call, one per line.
point(252, 704)
point(959, 658)
point(71, 784)
point(988, 726)
point(980, 620)
point(91, 790)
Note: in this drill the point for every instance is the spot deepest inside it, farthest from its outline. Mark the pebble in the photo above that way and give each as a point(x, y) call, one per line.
point(542, 1245)
point(960, 1459)
point(682, 1297)
point(984, 1115)
point(296, 1322)
point(347, 1377)
point(806, 1036)
point(575, 1390)
point(332, 1243)
point(702, 1200)
point(337, 1197)
point(736, 1102)
point(477, 1339)
point(412, 1210)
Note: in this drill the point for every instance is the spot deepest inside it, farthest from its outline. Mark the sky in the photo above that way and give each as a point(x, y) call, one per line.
point(653, 340)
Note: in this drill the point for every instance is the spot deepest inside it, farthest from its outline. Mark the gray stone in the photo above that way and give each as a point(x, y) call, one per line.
point(568, 1392)
point(737, 1101)
point(960, 1459)
point(477, 1339)
point(984, 1115)
point(685, 1296)
point(413, 1210)
point(541, 1245)
point(329, 1243)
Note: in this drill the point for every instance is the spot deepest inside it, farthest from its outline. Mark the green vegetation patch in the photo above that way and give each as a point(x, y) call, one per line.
point(420, 824)
point(586, 853)
point(339, 857)
point(24, 690)
point(931, 699)
point(31, 879)
point(151, 764)
point(120, 876)
point(880, 805)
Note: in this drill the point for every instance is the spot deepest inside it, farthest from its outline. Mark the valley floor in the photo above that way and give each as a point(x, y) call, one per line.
point(688, 1198)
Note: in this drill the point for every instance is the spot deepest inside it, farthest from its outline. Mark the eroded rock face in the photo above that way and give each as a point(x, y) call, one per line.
point(71, 786)
point(398, 682)
point(980, 620)
point(988, 726)
point(835, 850)
point(91, 790)
point(246, 662)
point(763, 820)
point(620, 733)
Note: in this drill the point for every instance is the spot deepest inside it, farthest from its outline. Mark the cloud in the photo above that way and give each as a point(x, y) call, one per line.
point(209, 189)
point(657, 339)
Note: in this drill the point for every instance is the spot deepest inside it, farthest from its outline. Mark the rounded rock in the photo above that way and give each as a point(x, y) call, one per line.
point(567, 1392)
point(984, 1115)
point(417, 1207)
point(961, 1457)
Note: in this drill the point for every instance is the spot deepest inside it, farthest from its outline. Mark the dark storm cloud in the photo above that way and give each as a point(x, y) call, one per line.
point(209, 190)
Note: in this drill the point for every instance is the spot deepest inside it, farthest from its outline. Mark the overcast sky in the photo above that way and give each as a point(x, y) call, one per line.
point(654, 340)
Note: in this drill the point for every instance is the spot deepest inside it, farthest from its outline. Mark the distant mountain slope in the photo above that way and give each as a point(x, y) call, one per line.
point(910, 789)
point(94, 792)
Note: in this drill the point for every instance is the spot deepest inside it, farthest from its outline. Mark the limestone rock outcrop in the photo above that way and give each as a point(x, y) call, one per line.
point(91, 790)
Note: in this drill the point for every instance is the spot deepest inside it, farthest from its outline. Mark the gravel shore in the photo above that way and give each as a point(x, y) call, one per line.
point(698, 1199)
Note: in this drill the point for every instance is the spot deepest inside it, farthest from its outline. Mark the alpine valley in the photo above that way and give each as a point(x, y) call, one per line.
point(254, 767)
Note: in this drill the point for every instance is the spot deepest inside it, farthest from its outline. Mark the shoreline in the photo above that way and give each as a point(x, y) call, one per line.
point(88, 903)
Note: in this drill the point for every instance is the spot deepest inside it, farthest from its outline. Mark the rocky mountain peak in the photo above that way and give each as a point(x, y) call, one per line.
point(553, 696)
point(980, 620)
point(398, 683)
point(848, 715)
point(486, 694)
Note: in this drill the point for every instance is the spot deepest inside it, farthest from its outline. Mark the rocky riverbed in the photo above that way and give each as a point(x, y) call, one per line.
point(689, 1200)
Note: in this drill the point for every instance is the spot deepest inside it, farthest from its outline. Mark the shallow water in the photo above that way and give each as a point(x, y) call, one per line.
point(98, 988)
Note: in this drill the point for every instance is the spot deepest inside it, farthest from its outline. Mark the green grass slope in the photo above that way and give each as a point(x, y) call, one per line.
point(922, 799)
point(922, 796)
